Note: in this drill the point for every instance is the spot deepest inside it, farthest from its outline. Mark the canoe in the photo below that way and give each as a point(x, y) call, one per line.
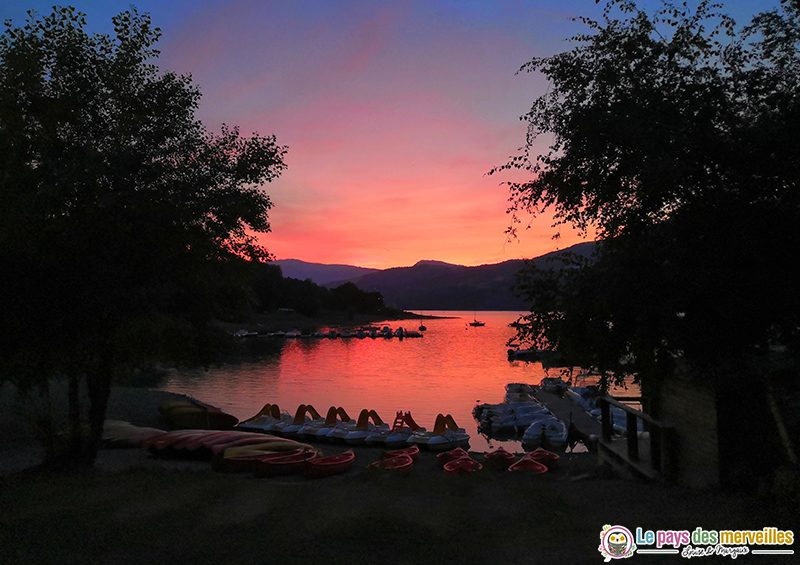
point(125, 434)
point(257, 439)
point(462, 466)
point(528, 464)
point(452, 455)
point(327, 466)
point(283, 464)
point(412, 452)
point(546, 458)
point(401, 464)
point(167, 441)
point(499, 458)
point(278, 444)
point(193, 414)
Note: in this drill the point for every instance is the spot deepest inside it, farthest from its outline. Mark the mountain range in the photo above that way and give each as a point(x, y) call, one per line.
point(432, 285)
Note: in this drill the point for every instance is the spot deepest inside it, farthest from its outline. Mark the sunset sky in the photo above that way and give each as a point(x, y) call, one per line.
point(393, 112)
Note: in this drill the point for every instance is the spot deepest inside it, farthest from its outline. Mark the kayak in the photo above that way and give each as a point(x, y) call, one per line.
point(452, 455)
point(248, 463)
point(499, 458)
point(412, 452)
point(283, 464)
point(327, 466)
point(462, 466)
point(528, 464)
point(546, 458)
point(401, 464)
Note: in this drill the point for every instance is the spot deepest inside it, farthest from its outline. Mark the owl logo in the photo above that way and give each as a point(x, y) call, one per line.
point(616, 542)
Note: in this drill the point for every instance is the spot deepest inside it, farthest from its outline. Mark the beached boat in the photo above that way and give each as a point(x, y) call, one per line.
point(451, 455)
point(193, 414)
point(400, 464)
point(247, 462)
point(412, 452)
point(327, 466)
point(526, 463)
point(546, 458)
point(499, 458)
point(274, 466)
point(462, 466)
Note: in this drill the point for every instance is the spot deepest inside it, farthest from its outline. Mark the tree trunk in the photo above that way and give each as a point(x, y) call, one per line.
point(98, 384)
point(75, 436)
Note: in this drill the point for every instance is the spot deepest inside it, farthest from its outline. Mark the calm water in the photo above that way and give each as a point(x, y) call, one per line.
point(449, 370)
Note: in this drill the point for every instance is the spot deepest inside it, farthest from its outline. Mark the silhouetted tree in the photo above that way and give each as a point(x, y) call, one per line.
point(674, 137)
point(125, 226)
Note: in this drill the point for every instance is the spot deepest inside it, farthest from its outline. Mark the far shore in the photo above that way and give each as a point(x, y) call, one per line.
point(290, 320)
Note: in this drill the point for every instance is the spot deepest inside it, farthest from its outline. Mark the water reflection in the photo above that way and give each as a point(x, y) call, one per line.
point(451, 369)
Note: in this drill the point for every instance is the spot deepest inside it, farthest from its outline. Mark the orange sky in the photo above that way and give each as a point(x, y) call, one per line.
point(393, 111)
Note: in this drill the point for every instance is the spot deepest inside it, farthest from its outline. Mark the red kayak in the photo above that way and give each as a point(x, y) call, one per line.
point(453, 454)
point(546, 458)
point(249, 463)
point(528, 464)
point(400, 464)
point(500, 458)
point(412, 452)
point(274, 466)
point(327, 466)
point(462, 466)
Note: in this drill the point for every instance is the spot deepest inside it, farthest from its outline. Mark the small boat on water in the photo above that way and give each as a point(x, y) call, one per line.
point(266, 419)
point(327, 466)
point(314, 429)
point(445, 435)
point(555, 385)
point(397, 437)
point(364, 427)
point(550, 432)
point(475, 322)
point(304, 415)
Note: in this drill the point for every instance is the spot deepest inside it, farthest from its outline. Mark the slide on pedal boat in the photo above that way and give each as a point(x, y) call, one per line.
point(327, 466)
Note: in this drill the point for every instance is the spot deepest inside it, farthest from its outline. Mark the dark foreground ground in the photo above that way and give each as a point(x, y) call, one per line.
point(133, 508)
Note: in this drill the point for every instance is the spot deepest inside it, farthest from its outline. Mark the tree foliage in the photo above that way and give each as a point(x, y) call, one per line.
point(674, 137)
point(125, 225)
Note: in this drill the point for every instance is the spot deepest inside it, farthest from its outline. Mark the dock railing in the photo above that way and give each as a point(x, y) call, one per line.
point(660, 444)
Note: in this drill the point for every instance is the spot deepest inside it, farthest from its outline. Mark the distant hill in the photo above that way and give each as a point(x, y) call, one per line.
point(320, 274)
point(433, 285)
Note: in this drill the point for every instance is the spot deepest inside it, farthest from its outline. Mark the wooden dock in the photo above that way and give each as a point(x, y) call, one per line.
point(567, 411)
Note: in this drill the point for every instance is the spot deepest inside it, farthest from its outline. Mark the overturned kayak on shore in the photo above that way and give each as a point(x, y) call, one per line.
point(400, 464)
point(499, 458)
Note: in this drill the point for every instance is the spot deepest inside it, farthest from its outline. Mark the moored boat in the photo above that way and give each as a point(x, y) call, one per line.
point(462, 466)
point(274, 466)
point(400, 464)
point(528, 464)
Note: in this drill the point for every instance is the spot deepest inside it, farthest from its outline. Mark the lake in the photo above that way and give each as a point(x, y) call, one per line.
point(449, 370)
